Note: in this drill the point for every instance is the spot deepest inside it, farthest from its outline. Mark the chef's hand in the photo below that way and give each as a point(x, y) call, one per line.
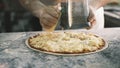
point(49, 18)
point(91, 17)
point(94, 5)
point(41, 8)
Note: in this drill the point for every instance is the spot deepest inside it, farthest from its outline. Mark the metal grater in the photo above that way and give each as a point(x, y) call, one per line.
point(74, 14)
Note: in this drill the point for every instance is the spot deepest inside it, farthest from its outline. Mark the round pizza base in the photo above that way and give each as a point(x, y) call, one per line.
point(71, 54)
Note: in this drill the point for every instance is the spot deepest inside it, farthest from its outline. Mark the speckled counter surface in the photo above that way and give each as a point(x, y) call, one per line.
point(15, 54)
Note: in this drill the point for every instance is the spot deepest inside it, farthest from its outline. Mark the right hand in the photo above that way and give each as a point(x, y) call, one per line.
point(40, 8)
point(49, 18)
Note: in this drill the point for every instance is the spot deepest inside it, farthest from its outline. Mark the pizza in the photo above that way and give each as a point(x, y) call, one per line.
point(66, 42)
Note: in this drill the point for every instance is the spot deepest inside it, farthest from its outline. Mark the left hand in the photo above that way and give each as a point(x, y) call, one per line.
point(91, 17)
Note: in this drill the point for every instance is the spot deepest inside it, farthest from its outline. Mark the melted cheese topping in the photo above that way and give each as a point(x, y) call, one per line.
point(66, 42)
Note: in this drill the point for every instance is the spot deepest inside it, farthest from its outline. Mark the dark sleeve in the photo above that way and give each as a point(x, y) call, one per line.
point(34, 6)
point(37, 6)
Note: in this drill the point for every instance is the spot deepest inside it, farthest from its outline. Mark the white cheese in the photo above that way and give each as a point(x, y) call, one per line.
point(66, 42)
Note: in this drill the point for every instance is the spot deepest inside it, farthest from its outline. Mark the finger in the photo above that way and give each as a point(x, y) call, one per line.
point(49, 19)
point(49, 16)
point(93, 22)
point(47, 23)
point(53, 12)
point(44, 24)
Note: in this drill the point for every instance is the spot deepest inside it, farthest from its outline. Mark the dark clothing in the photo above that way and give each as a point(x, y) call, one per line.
point(15, 18)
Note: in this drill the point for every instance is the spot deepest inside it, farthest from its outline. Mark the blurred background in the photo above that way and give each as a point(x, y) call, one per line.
point(14, 18)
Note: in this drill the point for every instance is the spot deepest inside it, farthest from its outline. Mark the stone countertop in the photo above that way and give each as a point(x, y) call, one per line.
point(15, 54)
